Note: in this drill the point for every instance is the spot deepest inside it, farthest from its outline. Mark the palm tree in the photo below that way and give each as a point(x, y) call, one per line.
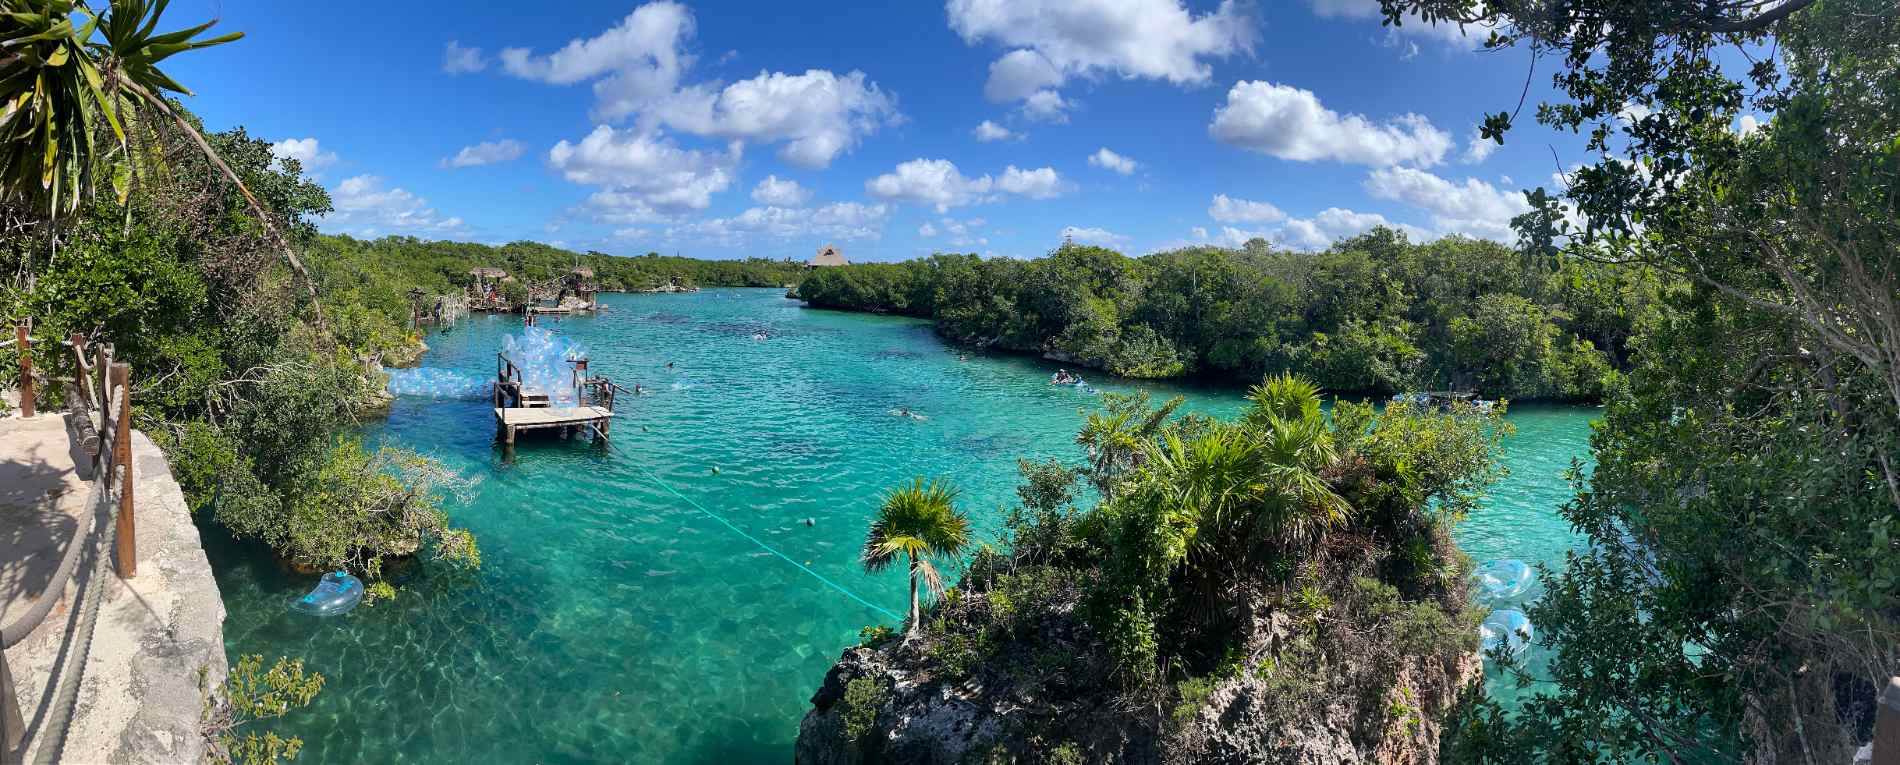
point(1114, 439)
point(921, 522)
point(72, 106)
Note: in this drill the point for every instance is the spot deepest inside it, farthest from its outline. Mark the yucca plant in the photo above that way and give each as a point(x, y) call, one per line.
point(68, 96)
point(921, 523)
point(74, 85)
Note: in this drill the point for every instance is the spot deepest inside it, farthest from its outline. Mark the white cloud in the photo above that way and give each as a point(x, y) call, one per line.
point(1229, 236)
point(957, 233)
point(774, 192)
point(484, 153)
point(1228, 209)
point(1747, 125)
point(1333, 224)
point(637, 62)
point(363, 202)
point(1478, 148)
point(645, 176)
point(637, 69)
point(306, 151)
point(1018, 74)
point(1040, 183)
point(1109, 160)
point(1413, 26)
point(929, 181)
point(1474, 208)
point(835, 221)
point(1290, 123)
point(817, 114)
point(1097, 236)
point(459, 60)
point(939, 183)
point(988, 131)
point(1408, 49)
point(1052, 41)
point(1047, 106)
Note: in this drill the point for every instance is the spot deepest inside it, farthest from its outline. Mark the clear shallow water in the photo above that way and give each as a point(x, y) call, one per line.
point(612, 621)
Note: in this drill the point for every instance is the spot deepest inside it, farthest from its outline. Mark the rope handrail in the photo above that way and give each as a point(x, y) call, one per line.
point(111, 401)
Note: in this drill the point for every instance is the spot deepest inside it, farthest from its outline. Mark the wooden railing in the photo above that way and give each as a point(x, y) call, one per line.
point(100, 400)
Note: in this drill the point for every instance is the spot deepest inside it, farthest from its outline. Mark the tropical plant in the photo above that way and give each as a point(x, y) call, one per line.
point(62, 90)
point(1114, 436)
point(919, 522)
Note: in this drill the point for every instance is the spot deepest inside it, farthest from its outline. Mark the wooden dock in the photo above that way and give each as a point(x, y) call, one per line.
point(520, 407)
point(516, 419)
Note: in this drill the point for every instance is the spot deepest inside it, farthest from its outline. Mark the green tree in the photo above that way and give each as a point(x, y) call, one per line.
point(1761, 402)
point(919, 522)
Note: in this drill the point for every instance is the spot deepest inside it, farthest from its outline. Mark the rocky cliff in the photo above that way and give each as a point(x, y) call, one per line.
point(1291, 696)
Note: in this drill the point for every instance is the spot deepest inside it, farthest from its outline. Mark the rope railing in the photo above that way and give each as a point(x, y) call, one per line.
point(100, 403)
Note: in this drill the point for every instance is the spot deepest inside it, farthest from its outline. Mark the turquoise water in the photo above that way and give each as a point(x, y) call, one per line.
point(612, 621)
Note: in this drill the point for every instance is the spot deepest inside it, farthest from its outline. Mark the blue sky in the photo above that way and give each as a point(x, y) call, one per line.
point(726, 129)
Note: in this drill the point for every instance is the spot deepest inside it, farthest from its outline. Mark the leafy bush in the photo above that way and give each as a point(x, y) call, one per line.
point(863, 697)
point(248, 695)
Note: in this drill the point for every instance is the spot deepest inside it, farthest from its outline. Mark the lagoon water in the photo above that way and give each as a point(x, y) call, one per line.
point(611, 621)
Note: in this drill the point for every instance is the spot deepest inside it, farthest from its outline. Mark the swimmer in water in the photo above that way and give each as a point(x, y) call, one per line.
point(669, 365)
point(637, 390)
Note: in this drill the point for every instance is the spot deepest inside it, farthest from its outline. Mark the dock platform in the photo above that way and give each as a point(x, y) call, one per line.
point(514, 419)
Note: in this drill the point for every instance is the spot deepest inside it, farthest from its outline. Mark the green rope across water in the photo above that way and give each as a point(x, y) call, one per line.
point(768, 548)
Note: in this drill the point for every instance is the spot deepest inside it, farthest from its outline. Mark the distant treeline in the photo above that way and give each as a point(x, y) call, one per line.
point(1374, 314)
point(379, 273)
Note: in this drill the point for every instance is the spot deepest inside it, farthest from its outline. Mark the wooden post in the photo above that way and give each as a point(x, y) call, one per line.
point(1887, 725)
point(128, 552)
point(78, 342)
point(25, 345)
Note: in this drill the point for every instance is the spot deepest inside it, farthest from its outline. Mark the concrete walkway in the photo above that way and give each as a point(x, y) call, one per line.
point(138, 645)
point(42, 507)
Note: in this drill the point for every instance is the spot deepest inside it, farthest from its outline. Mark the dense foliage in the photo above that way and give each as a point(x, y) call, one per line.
point(1373, 314)
point(1307, 552)
point(1740, 599)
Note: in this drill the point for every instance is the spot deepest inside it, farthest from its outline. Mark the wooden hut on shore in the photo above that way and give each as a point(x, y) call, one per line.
point(484, 289)
point(828, 256)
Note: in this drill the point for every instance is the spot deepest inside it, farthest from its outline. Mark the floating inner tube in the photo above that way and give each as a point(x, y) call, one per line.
point(1502, 580)
point(336, 593)
point(1508, 628)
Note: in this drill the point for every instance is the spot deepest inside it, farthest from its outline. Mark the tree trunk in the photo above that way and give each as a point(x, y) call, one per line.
point(916, 612)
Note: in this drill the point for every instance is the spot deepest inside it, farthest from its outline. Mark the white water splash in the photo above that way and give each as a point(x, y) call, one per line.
point(542, 357)
point(430, 382)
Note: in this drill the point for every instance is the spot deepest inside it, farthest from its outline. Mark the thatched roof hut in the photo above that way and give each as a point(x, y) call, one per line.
point(828, 255)
point(584, 272)
point(485, 272)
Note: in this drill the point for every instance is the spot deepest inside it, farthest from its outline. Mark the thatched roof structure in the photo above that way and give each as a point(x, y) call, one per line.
point(583, 272)
point(828, 255)
point(485, 272)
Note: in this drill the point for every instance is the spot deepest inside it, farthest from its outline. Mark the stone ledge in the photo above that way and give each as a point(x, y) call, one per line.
point(139, 699)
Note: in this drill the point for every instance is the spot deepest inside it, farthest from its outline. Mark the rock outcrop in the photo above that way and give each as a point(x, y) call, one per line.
point(917, 712)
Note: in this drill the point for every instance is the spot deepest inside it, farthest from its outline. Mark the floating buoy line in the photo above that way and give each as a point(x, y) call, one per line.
point(827, 581)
